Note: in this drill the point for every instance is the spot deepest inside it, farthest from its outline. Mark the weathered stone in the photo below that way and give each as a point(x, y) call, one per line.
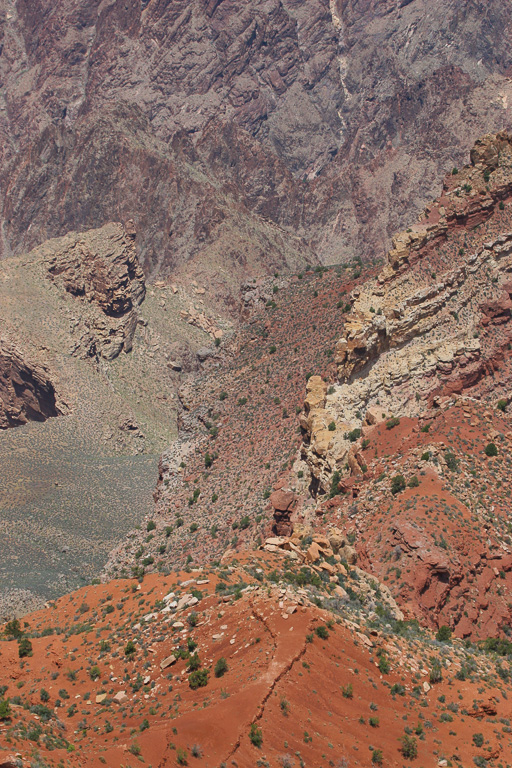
point(168, 662)
point(276, 541)
point(284, 503)
point(313, 553)
point(120, 697)
point(336, 540)
point(26, 390)
point(100, 268)
point(322, 541)
point(374, 415)
point(349, 554)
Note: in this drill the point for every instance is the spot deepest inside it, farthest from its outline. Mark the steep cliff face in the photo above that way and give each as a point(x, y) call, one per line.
point(259, 137)
point(435, 320)
point(26, 392)
point(417, 425)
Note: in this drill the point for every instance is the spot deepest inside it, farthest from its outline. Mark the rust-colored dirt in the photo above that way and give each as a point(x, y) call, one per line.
point(317, 702)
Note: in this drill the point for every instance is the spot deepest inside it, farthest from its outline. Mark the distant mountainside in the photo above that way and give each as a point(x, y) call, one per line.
point(241, 138)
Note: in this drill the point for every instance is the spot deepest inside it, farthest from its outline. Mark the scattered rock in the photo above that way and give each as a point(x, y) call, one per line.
point(168, 662)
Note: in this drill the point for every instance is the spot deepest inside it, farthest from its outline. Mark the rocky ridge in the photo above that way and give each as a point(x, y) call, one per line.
point(414, 332)
point(211, 664)
point(426, 347)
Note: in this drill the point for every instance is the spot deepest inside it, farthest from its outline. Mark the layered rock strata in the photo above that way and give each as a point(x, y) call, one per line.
point(417, 330)
point(26, 391)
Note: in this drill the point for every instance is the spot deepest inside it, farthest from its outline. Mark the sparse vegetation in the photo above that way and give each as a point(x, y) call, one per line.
point(409, 747)
point(444, 634)
point(256, 735)
point(221, 667)
point(198, 679)
point(24, 647)
point(398, 484)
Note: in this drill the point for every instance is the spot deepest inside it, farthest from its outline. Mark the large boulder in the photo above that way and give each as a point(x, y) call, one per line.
point(284, 503)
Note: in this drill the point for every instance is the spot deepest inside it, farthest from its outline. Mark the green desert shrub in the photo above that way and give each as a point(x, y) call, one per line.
point(24, 647)
point(397, 484)
point(444, 634)
point(221, 667)
point(409, 747)
point(198, 679)
point(256, 735)
point(5, 709)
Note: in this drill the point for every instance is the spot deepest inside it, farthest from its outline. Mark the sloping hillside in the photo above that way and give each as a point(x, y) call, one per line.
point(233, 666)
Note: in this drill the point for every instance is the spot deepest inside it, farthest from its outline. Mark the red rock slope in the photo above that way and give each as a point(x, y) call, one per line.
point(314, 686)
point(418, 459)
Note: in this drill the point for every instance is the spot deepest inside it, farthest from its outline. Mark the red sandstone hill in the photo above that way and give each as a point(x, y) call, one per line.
point(232, 666)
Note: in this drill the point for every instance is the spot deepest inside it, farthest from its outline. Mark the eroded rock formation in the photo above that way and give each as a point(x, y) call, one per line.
point(26, 391)
point(414, 332)
point(423, 374)
point(100, 269)
point(284, 503)
point(70, 312)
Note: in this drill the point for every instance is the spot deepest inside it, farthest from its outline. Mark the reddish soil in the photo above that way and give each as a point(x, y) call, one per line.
point(443, 544)
point(319, 701)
